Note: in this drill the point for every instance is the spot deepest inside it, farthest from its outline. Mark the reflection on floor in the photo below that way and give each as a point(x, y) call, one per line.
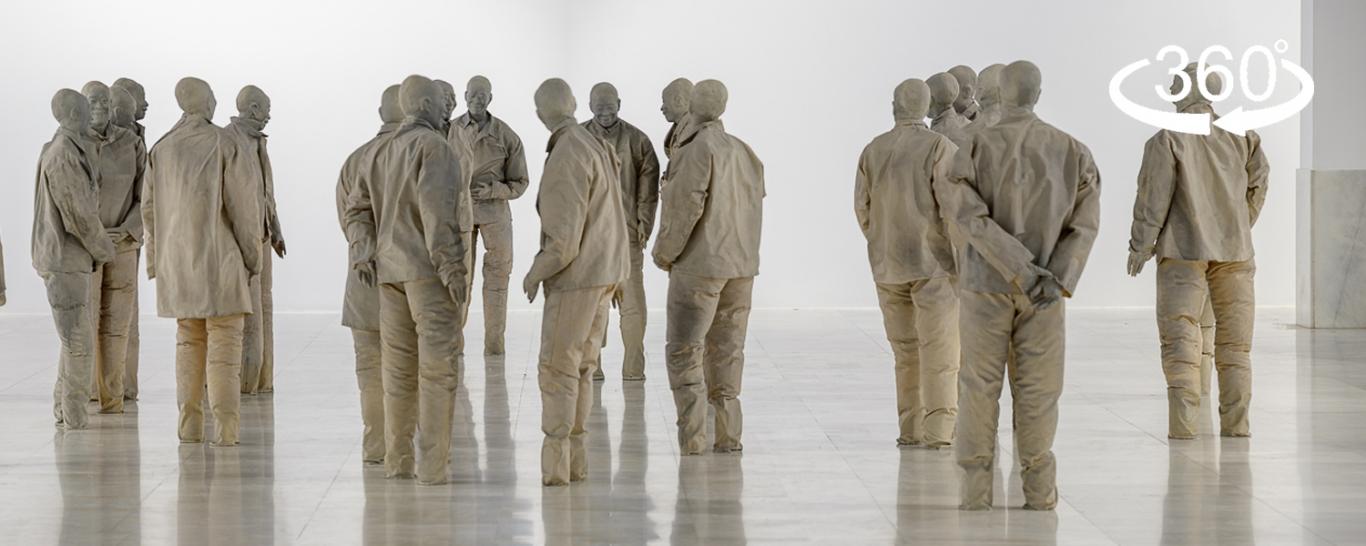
point(819, 465)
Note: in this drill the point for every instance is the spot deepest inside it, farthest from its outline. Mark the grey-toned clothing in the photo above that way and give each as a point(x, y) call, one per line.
point(248, 135)
point(1025, 195)
point(1198, 195)
point(639, 175)
point(360, 305)
point(951, 124)
point(67, 234)
point(203, 222)
point(121, 160)
point(497, 162)
point(896, 206)
point(712, 207)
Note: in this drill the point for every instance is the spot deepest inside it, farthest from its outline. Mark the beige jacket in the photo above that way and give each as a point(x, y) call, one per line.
point(248, 135)
point(203, 222)
point(497, 161)
point(673, 140)
point(360, 305)
point(403, 218)
point(1199, 195)
point(121, 159)
point(951, 124)
point(896, 206)
point(639, 175)
point(713, 207)
point(583, 227)
point(464, 216)
point(1025, 195)
point(67, 234)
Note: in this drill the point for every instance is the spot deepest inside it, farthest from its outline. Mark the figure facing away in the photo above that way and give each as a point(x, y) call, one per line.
point(989, 99)
point(639, 179)
point(497, 175)
point(258, 349)
point(712, 213)
point(120, 159)
point(944, 92)
point(966, 104)
point(677, 98)
point(360, 305)
point(1198, 198)
point(1026, 196)
point(202, 216)
point(69, 242)
point(401, 224)
point(582, 262)
point(130, 107)
point(913, 264)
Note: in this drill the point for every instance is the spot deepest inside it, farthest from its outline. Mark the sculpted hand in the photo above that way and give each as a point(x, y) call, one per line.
point(660, 262)
point(366, 273)
point(530, 286)
point(1136, 261)
point(617, 296)
point(482, 193)
point(279, 246)
point(1046, 293)
point(457, 291)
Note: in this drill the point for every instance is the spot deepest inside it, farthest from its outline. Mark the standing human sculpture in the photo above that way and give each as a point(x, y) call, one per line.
point(130, 107)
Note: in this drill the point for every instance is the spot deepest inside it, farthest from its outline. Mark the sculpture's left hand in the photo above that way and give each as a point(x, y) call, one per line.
point(279, 246)
point(531, 287)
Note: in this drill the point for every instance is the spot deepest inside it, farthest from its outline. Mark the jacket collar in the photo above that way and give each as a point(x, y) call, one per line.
point(249, 126)
point(389, 127)
point(559, 131)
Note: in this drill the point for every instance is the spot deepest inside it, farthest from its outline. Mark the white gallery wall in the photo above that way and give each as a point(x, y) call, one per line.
point(810, 84)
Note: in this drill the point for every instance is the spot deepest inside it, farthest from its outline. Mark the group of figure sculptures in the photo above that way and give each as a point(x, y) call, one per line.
point(980, 221)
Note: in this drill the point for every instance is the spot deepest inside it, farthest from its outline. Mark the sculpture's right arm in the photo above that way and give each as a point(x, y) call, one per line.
point(1156, 184)
point(78, 206)
point(149, 218)
point(685, 198)
point(241, 198)
point(358, 222)
point(963, 206)
point(863, 200)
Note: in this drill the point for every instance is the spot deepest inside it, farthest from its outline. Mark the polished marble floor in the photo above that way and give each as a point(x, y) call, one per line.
point(819, 465)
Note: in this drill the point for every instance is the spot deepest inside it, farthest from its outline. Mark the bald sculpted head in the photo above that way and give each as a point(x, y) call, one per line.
point(123, 109)
point(911, 100)
point(605, 104)
point(478, 95)
point(1021, 83)
point(555, 103)
point(421, 98)
point(195, 97)
point(97, 94)
point(389, 110)
point(967, 86)
point(677, 99)
point(447, 95)
point(943, 92)
point(1214, 83)
point(989, 85)
point(71, 110)
point(709, 99)
point(253, 104)
point(139, 95)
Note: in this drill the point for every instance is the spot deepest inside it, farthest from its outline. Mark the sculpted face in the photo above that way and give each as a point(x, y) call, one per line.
point(98, 96)
point(253, 104)
point(989, 85)
point(124, 108)
point(676, 98)
point(478, 95)
point(967, 86)
point(448, 94)
point(139, 95)
point(605, 104)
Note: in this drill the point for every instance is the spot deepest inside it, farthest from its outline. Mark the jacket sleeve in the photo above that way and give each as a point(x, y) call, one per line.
point(562, 202)
point(1080, 228)
point(149, 218)
point(242, 202)
point(515, 175)
point(437, 202)
point(78, 207)
point(358, 222)
point(862, 194)
point(963, 205)
point(647, 187)
point(132, 220)
point(685, 199)
point(1156, 185)
point(1258, 173)
point(940, 170)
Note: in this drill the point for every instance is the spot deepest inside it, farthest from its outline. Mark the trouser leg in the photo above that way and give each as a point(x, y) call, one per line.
point(467, 237)
point(936, 325)
point(225, 376)
point(898, 320)
point(398, 357)
point(191, 358)
point(93, 307)
point(724, 361)
point(691, 308)
point(266, 376)
point(591, 360)
point(252, 350)
point(1039, 341)
point(1181, 292)
point(1206, 345)
point(497, 271)
point(436, 317)
point(115, 313)
point(564, 373)
point(68, 294)
point(1234, 297)
point(633, 318)
point(370, 382)
point(131, 361)
point(990, 318)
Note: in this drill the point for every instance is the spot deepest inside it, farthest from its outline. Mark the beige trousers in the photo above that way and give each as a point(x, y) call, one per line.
point(999, 323)
point(69, 296)
point(130, 363)
point(571, 331)
point(418, 322)
point(632, 310)
point(497, 239)
point(113, 294)
point(370, 380)
point(921, 320)
point(1206, 345)
point(209, 354)
point(468, 239)
point(708, 320)
point(1181, 290)
point(258, 337)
